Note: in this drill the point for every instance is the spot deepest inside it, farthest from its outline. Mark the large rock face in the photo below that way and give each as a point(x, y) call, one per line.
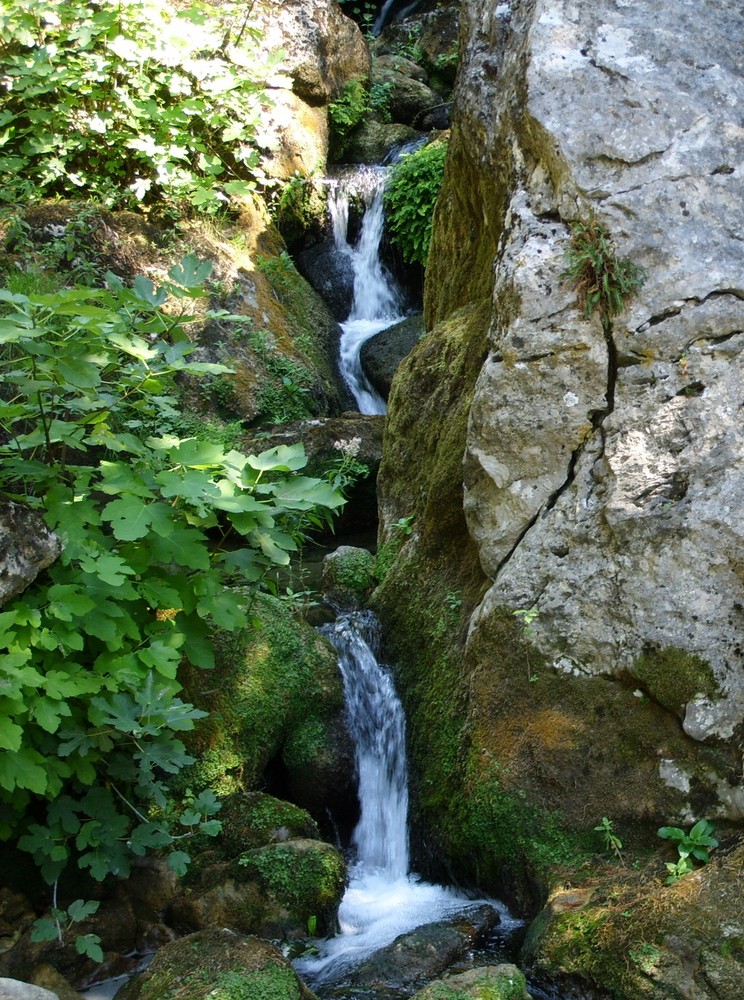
point(604, 470)
point(602, 479)
point(26, 548)
point(322, 51)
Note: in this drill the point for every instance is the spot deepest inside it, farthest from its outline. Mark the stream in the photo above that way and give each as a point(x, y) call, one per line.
point(384, 898)
point(378, 300)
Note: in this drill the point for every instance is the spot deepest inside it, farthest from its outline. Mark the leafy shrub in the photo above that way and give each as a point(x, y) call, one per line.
point(346, 113)
point(128, 102)
point(157, 533)
point(410, 198)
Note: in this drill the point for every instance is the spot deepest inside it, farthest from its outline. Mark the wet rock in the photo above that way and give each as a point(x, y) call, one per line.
point(330, 271)
point(426, 952)
point(381, 354)
point(26, 548)
point(216, 963)
point(47, 977)
point(373, 141)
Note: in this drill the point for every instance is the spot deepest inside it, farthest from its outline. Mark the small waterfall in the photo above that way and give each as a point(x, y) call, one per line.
point(383, 898)
point(378, 300)
point(378, 728)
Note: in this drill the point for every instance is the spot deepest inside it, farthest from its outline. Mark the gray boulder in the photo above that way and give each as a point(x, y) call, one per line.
point(26, 548)
point(381, 354)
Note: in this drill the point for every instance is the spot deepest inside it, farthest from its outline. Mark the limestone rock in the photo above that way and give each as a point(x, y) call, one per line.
point(372, 141)
point(26, 548)
point(13, 989)
point(323, 49)
point(603, 469)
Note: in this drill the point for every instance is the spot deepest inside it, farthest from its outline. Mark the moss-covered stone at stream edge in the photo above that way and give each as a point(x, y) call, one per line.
point(218, 965)
point(275, 697)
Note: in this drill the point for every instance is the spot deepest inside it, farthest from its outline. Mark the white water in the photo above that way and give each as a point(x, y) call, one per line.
point(377, 301)
point(383, 898)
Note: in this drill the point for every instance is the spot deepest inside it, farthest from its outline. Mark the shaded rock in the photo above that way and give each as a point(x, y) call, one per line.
point(272, 891)
point(381, 354)
point(330, 271)
point(276, 714)
point(426, 952)
point(409, 99)
point(488, 982)
point(219, 965)
point(348, 577)
point(373, 141)
point(400, 64)
point(13, 989)
point(16, 916)
point(47, 977)
point(26, 548)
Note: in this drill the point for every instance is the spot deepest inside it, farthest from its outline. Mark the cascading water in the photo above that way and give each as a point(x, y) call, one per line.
point(378, 299)
point(383, 899)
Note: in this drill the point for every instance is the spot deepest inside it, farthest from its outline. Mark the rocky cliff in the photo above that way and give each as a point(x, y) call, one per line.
point(588, 464)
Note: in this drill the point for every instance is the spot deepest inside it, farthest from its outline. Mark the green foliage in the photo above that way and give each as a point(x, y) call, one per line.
point(603, 281)
point(410, 198)
point(345, 113)
point(157, 532)
point(612, 842)
point(696, 843)
point(271, 983)
point(309, 880)
point(379, 101)
point(55, 928)
point(129, 102)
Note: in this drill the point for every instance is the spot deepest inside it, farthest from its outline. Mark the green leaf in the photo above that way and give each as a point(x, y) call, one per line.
point(80, 910)
point(45, 929)
point(282, 458)
point(190, 272)
point(23, 769)
point(90, 945)
point(11, 736)
point(132, 519)
point(179, 861)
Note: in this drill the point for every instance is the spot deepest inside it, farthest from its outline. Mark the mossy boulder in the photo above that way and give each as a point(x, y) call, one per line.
point(253, 819)
point(627, 932)
point(348, 577)
point(488, 982)
point(271, 891)
point(276, 713)
point(217, 965)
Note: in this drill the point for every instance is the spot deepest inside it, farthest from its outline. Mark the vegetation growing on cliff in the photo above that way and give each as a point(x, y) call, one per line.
point(410, 198)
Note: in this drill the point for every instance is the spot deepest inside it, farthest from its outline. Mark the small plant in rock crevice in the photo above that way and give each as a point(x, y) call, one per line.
point(612, 842)
point(603, 282)
point(696, 843)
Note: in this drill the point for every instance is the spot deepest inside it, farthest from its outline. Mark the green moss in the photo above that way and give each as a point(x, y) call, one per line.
point(271, 983)
point(673, 677)
point(272, 684)
point(254, 819)
point(345, 113)
point(307, 877)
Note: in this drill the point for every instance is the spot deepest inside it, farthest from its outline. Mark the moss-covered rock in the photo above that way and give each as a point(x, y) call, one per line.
point(305, 878)
point(219, 965)
point(489, 982)
point(673, 677)
point(272, 891)
point(253, 819)
point(348, 577)
point(627, 932)
point(275, 700)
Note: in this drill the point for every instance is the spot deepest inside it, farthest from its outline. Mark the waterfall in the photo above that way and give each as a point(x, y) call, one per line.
point(378, 300)
point(383, 898)
point(378, 728)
